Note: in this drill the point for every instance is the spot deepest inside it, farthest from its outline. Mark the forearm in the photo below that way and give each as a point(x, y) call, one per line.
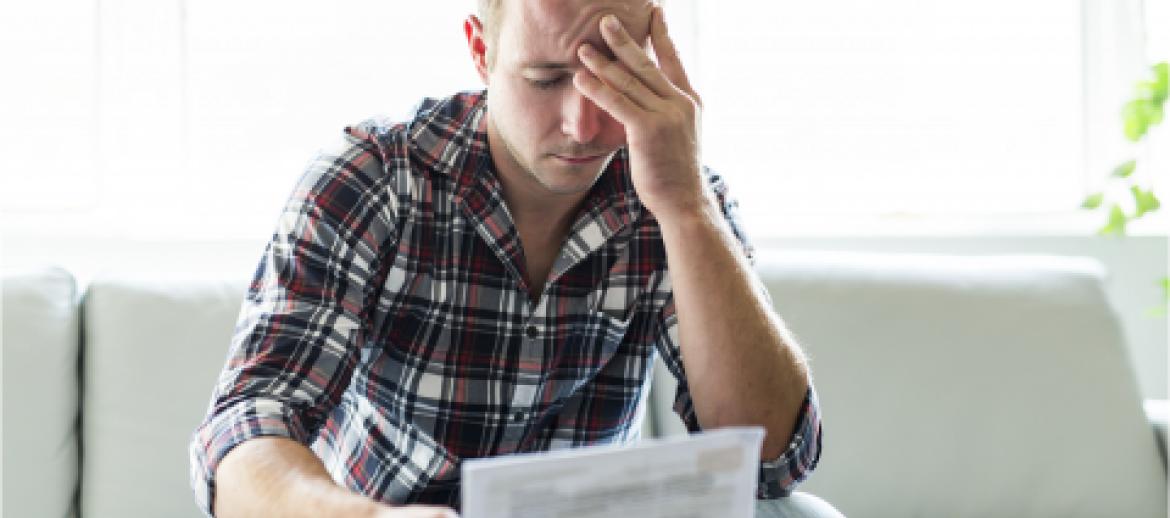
point(742, 366)
point(276, 476)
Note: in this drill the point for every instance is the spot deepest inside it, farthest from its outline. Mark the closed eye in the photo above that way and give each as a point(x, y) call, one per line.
point(546, 84)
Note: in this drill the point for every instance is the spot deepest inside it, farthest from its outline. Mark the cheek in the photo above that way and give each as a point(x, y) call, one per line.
point(540, 113)
point(512, 111)
point(531, 108)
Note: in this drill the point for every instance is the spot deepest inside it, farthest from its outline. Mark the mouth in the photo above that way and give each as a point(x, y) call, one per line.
point(578, 160)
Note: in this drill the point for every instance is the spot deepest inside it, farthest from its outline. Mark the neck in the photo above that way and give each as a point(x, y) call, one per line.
point(532, 205)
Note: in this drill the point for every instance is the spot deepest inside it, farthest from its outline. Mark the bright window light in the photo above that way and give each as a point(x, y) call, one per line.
point(181, 119)
point(852, 106)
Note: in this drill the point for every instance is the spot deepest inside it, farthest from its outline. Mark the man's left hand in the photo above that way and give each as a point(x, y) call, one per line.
point(659, 109)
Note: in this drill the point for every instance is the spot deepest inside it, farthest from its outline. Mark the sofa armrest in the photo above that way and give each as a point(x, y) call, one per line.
point(1156, 411)
point(40, 328)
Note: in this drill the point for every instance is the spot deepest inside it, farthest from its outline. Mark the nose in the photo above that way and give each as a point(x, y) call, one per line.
point(581, 120)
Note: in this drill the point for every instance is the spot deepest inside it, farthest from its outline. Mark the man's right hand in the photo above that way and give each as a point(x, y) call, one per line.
point(276, 476)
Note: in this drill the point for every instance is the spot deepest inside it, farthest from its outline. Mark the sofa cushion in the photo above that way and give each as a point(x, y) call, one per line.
point(40, 332)
point(153, 350)
point(969, 386)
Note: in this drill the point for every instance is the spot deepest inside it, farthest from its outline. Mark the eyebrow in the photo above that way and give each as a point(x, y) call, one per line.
point(562, 65)
point(547, 65)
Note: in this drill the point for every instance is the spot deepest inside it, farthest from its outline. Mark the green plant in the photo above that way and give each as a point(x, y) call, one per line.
point(1145, 110)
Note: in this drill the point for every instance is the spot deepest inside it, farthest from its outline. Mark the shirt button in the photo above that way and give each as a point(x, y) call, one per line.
point(518, 416)
point(531, 332)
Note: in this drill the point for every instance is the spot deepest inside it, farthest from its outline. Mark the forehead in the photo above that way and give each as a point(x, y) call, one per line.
point(551, 30)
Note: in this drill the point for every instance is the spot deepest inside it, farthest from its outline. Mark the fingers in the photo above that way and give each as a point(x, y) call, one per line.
point(605, 97)
point(634, 56)
point(633, 86)
point(618, 78)
point(664, 49)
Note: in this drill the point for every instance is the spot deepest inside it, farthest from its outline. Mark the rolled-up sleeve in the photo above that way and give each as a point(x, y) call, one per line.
point(779, 476)
point(297, 338)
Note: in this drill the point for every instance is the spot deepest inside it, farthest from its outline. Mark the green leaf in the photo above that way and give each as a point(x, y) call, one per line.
point(1158, 94)
point(1157, 311)
point(1146, 201)
point(1093, 201)
point(1124, 170)
point(1163, 309)
point(1116, 223)
point(1145, 90)
point(1153, 114)
point(1136, 119)
point(1139, 198)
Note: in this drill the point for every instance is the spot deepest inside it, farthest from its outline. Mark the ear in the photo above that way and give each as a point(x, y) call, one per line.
point(473, 29)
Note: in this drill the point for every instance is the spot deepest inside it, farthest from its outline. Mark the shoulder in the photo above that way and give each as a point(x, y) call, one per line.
point(430, 123)
point(396, 153)
point(446, 114)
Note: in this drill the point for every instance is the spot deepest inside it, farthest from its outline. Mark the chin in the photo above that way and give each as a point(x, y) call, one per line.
point(569, 187)
point(563, 179)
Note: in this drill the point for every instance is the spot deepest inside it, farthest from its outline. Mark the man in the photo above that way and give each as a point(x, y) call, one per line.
point(497, 275)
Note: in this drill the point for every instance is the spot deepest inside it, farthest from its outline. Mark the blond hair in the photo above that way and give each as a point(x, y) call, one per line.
point(491, 14)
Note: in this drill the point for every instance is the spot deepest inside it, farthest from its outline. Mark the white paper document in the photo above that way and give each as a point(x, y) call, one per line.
point(712, 474)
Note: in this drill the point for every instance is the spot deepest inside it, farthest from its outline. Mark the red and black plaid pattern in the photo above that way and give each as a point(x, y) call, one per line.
point(388, 325)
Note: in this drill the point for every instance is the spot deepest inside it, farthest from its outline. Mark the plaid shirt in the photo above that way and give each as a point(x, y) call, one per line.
point(389, 328)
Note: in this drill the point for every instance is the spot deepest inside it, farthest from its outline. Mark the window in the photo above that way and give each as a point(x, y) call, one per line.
point(895, 107)
point(179, 119)
point(200, 116)
point(48, 106)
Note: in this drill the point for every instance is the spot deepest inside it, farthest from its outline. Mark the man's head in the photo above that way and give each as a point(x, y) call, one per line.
point(526, 53)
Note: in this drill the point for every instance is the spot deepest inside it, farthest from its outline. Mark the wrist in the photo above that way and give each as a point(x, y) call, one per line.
point(681, 217)
point(701, 208)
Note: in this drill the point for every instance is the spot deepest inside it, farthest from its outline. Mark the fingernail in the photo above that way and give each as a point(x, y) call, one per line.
point(611, 22)
point(586, 50)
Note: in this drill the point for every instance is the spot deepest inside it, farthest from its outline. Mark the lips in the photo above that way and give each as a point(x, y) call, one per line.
point(585, 159)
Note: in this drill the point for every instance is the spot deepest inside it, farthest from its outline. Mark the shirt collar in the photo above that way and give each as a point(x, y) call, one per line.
point(449, 136)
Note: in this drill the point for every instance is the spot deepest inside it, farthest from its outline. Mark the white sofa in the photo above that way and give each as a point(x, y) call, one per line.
point(950, 386)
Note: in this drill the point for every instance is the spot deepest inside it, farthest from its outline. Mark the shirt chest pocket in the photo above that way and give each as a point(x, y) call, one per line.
point(603, 330)
point(597, 336)
point(592, 344)
point(614, 300)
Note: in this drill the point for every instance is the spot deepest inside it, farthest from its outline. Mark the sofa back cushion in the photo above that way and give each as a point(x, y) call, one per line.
point(969, 386)
point(153, 350)
point(40, 332)
point(950, 387)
